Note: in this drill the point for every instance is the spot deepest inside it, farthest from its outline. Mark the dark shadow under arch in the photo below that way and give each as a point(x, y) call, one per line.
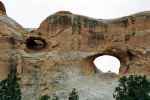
point(36, 43)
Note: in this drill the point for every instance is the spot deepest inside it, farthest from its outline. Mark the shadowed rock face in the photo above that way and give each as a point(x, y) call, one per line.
point(59, 54)
point(2, 9)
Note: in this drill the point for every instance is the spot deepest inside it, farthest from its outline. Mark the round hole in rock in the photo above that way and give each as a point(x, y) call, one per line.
point(36, 43)
point(107, 63)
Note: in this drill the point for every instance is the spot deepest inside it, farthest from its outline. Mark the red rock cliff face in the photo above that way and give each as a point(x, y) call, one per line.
point(59, 54)
point(127, 38)
point(82, 33)
point(73, 42)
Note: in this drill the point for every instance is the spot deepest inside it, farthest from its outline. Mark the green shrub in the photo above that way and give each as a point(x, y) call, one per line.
point(45, 97)
point(10, 89)
point(133, 87)
point(73, 95)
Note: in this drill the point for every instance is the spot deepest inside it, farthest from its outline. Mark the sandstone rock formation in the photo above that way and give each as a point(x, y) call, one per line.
point(2, 9)
point(73, 42)
point(59, 54)
point(9, 31)
point(127, 37)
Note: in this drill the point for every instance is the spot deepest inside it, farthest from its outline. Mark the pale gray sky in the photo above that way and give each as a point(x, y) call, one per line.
point(30, 13)
point(107, 63)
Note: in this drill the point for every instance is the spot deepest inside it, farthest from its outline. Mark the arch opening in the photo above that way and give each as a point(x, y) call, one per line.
point(107, 64)
point(36, 43)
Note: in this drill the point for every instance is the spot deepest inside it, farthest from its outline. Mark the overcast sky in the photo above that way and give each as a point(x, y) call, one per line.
point(30, 13)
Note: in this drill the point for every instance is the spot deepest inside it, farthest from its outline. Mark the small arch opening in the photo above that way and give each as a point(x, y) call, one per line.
point(107, 64)
point(36, 43)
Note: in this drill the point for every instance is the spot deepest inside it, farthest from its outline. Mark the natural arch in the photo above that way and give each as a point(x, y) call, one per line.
point(36, 43)
point(107, 63)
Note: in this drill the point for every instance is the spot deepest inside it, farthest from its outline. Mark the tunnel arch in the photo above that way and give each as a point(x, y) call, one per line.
point(107, 64)
point(121, 54)
point(36, 43)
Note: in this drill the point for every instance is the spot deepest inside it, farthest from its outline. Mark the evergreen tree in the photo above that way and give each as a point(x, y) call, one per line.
point(132, 87)
point(45, 97)
point(10, 88)
point(74, 95)
point(55, 97)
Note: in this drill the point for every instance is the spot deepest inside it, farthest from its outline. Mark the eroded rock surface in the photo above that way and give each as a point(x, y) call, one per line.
point(58, 56)
point(2, 9)
point(73, 42)
point(11, 34)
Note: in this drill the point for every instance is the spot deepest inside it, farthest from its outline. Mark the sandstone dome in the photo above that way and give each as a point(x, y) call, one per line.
point(8, 26)
point(63, 12)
